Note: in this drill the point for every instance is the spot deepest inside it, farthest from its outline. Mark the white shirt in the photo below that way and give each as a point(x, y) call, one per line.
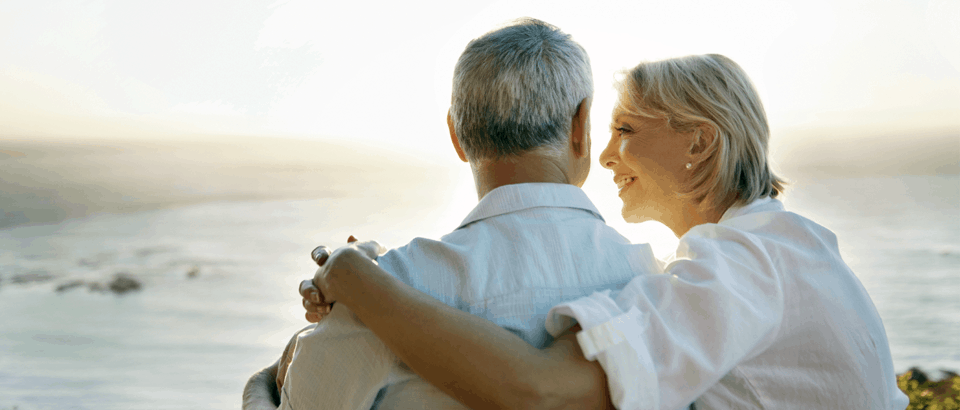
point(755, 311)
point(521, 251)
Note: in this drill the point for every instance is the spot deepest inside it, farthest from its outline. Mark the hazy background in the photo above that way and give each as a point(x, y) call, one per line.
point(233, 136)
point(850, 87)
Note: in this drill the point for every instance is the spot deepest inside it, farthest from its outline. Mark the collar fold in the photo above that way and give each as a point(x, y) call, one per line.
point(517, 197)
point(759, 205)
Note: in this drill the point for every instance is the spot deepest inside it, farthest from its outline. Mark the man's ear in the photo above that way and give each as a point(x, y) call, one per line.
point(454, 139)
point(579, 130)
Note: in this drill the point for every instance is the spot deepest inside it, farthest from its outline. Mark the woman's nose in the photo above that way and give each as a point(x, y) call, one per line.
point(609, 157)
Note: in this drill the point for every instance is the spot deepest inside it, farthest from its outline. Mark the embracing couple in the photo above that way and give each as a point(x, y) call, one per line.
point(534, 302)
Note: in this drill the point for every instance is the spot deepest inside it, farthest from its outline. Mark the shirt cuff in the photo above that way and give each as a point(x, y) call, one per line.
point(618, 345)
point(589, 311)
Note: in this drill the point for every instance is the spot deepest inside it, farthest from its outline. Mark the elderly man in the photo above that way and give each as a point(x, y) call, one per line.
point(519, 117)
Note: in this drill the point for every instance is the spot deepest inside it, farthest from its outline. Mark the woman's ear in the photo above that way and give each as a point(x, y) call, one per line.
point(704, 138)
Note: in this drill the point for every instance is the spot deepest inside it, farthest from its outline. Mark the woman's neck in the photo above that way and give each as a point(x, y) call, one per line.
point(686, 215)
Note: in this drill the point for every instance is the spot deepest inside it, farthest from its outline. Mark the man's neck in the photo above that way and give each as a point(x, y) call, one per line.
point(528, 168)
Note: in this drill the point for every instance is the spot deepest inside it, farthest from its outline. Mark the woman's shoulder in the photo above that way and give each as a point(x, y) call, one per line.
point(766, 226)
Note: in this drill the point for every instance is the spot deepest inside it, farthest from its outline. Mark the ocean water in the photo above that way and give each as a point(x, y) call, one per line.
point(186, 342)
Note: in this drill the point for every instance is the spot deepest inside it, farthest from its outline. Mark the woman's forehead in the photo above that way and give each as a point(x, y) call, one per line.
point(627, 105)
point(621, 114)
point(639, 122)
point(618, 112)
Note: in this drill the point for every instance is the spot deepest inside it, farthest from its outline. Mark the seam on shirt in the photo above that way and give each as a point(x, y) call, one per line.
point(763, 399)
point(286, 396)
point(589, 212)
point(538, 289)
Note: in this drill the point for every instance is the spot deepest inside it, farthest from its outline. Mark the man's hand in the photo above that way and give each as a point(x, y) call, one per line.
point(260, 392)
point(319, 294)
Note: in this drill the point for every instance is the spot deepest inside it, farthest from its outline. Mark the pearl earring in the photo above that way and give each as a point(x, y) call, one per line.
point(689, 165)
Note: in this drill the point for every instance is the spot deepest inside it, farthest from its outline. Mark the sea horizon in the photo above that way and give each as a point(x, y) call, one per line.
point(218, 261)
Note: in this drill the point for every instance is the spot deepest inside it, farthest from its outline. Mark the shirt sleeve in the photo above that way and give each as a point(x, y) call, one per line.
point(340, 364)
point(667, 338)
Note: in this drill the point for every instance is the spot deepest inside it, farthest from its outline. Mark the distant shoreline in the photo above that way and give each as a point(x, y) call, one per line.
point(47, 181)
point(824, 154)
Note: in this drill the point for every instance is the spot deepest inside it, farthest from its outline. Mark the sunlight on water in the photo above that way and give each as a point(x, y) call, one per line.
point(194, 338)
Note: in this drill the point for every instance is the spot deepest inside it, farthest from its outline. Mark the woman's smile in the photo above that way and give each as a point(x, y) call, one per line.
point(648, 160)
point(623, 181)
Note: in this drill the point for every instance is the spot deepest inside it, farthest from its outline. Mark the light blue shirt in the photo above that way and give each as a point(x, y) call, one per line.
point(524, 249)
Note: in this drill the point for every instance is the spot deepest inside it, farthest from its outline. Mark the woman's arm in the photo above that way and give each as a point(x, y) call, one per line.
point(477, 362)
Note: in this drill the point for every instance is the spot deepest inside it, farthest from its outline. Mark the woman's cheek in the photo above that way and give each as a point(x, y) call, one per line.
point(629, 154)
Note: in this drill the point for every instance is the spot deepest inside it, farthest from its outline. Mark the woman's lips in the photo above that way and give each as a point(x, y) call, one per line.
point(624, 182)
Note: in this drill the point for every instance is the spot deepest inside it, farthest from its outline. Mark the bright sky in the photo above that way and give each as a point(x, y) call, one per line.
point(380, 72)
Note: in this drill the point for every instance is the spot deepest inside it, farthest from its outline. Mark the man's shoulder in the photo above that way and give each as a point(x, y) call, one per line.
point(416, 257)
point(508, 234)
point(421, 250)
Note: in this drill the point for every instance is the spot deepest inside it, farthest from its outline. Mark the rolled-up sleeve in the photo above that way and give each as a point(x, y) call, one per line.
point(340, 364)
point(667, 338)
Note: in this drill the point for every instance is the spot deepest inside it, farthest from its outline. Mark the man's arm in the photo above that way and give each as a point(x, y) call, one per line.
point(263, 389)
point(261, 392)
point(474, 360)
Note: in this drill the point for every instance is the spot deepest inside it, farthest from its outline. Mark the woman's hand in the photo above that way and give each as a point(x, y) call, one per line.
point(318, 295)
point(470, 358)
point(313, 302)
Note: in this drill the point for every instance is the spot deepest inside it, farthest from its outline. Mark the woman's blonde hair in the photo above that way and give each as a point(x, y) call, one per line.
point(708, 92)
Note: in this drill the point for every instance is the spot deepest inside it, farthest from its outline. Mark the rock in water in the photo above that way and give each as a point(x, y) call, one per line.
point(918, 375)
point(123, 283)
point(193, 272)
point(69, 285)
point(38, 276)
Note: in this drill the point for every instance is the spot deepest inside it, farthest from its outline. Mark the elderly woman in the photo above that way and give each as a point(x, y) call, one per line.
point(755, 310)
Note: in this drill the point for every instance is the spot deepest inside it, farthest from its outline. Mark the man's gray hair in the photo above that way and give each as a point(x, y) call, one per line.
point(517, 88)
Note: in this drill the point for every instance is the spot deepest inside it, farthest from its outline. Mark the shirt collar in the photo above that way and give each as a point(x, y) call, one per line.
point(759, 205)
point(517, 197)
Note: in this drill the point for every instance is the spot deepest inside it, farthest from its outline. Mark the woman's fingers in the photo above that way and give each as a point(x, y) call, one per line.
point(320, 254)
point(313, 302)
point(372, 249)
point(314, 313)
point(310, 292)
point(320, 307)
